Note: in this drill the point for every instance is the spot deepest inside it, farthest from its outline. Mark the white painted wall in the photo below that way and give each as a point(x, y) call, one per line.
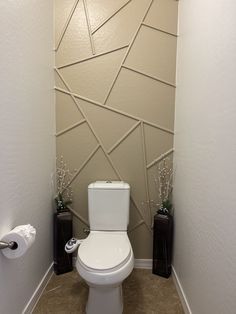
point(27, 143)
point(205, 156)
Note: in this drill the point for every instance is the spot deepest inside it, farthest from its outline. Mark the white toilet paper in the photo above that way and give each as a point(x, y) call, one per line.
point(24, 236)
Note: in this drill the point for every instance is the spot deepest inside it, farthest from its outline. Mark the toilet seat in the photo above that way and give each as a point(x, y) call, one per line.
point(105, 251)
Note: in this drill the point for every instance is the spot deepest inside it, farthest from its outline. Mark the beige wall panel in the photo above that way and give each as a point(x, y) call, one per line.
point(62, 9)
point(154, 53)
point(157, 142)
point(128, 159)
point(58, 82)
point(78, 227)
point(76, 145)
point(144, 97)
point(98, 168)
point(141, 240)
point(67, 112)
point(164, 15)
point(75, 43)
point(134, 216)
point(109, 125)
point(100, 10)
point(92, 78)
point(153, 188)
point(120, 29)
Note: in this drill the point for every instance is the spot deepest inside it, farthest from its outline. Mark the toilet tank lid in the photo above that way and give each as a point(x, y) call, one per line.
point(109, 185)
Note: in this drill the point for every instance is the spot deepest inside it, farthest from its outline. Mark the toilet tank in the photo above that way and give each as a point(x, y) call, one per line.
point(108, 205)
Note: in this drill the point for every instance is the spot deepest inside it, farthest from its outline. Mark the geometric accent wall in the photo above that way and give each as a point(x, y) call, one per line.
point(115, 97)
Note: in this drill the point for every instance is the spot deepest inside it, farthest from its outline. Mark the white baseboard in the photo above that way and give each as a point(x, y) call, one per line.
point(143, 263)
point(181, 293)
point(38, 292)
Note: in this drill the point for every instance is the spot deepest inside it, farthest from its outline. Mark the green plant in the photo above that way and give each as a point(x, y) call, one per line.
point(61, 204)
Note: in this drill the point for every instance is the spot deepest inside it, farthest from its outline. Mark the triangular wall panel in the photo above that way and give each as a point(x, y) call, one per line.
point(108, 125)
point(75, 43)
point(93, 78)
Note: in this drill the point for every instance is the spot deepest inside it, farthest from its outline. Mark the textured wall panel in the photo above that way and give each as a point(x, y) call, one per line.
point(157, 142)
point(104, 120)
point(92, 78)
point(163, 15)
point(143, 97)
point(62, 12)
point(119, 30)
point(64, 103)
point(75, 43)
point(154, 53)
point(75, 145)
point(116, 72)
point(130, 170)
point(101, 10)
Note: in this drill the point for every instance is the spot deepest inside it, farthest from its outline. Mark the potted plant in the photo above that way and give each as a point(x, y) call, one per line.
point(163, 221)
point(64, 191)
point(63, 230)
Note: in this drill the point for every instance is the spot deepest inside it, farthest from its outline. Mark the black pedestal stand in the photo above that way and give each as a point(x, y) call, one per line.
point(62, 233)
point(162, 245)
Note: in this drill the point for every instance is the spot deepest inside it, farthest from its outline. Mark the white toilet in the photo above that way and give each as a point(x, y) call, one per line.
point(105, 258)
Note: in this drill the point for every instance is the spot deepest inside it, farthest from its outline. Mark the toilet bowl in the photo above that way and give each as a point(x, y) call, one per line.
point(105, 258)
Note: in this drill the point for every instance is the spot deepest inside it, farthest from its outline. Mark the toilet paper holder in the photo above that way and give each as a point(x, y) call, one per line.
point(10, 245)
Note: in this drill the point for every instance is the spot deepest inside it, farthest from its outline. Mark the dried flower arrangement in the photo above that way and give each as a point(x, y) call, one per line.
point(164, 185)
point(64, 191)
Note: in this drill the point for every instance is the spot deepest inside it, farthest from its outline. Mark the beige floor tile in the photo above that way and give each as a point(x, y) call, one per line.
point(144, 293)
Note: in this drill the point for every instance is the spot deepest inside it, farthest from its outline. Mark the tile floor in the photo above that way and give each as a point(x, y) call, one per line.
point(144, 293)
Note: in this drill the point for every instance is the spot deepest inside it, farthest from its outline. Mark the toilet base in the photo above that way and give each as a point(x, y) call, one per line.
point(105, 300)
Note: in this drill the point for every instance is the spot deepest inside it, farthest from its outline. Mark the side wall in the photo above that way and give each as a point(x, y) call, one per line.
point(205, 154)
point(27, 143)
point(115, 93)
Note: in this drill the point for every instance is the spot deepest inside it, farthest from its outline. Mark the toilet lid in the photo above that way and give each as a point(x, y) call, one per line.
point(104, 250)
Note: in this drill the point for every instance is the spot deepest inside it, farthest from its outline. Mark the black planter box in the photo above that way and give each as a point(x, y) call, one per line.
point(62, 233)
point(162, 245)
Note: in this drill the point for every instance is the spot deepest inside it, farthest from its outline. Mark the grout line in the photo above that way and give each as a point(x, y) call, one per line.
point(160, 158)
point(112, 15)
point(89, 26)
point(123, 137)
point(148, 75)
point(70, 128)
point(66, 25)
point(159, 30)
point(126, 54)
point(91, 57)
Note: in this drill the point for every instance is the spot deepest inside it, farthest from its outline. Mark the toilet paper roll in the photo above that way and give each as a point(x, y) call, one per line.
point(24, 237)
